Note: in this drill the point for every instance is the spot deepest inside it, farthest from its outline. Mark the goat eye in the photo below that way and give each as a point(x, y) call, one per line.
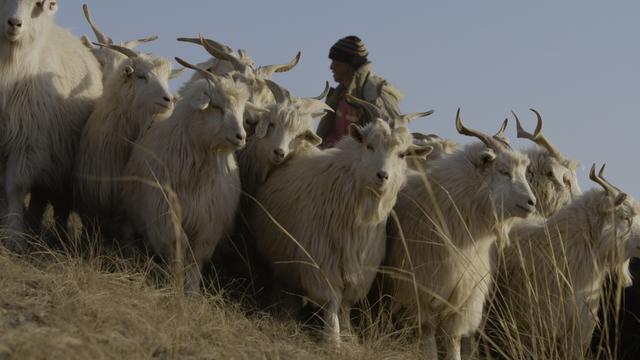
point(272, 125)
point(39, 3)
point(141, 76)
point(550, 174)
point(402, 155)
point(369, 147)
point(505, 173)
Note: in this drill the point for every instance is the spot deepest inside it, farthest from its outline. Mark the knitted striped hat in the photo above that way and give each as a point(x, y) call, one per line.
point(349, 50)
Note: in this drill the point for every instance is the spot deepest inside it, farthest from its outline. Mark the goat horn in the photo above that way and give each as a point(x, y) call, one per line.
point(372, 110)
point(206, 74)
point(121, 49)
point(537, 136)
point(213, 50)
point(220, 46)
point(500, 137)
point(463, 130)
point(280, 94)
point(325, 92)
point(598, 179)
point(270, 69)
point(135, 43)
point(407, 118)
point(102, 37)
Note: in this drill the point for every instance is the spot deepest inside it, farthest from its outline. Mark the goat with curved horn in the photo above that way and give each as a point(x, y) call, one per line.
point(121, 49)
point(537, 136)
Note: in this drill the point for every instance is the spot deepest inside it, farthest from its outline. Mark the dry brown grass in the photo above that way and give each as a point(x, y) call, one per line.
point(55, 306)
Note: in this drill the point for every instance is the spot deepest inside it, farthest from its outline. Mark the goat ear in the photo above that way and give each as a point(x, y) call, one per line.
point(127, 72)
point(175, 73)
point(200, 102)
point(262, 127)
point(485, 157)
point(415, 151)
point(355, 132)
point(626, 279)
point(86, 42)
point(311, 137)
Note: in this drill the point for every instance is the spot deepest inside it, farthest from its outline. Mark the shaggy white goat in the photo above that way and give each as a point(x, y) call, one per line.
point(185, 184)
point(550, 284)
point(449, 220)
point(48, 85)
point(135, 95)
point(322, 215)
point(552, 176)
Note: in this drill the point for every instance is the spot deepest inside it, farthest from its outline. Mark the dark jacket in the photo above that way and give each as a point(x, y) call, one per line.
point(368, 86)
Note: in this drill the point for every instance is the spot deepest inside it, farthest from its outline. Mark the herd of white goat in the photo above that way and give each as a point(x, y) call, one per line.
point(92, 127)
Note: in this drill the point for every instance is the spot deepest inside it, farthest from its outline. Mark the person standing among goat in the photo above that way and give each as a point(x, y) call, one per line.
point(354, 74)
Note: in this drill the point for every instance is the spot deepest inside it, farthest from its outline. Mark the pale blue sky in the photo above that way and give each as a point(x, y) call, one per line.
point(577, 62)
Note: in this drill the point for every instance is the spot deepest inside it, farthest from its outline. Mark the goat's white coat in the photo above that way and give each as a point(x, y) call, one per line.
point(48, 85)
point(190, 154)
point(135, 95)
point(551, 279)
point(326, 201)
point(451, 257)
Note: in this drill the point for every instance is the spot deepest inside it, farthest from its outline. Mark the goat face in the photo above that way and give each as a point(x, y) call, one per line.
point(146, 81)
point(553, 180)
point(220, 106)
point(503, 173)
point(23, 20)
point(285, 129)
point(621, 233)
point(259, 94)
point(381, 155)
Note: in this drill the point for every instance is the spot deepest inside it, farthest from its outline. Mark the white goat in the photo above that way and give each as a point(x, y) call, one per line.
point(48, 85)
point(449, 220)
point(552, 176)
point(279, 134)
point(185, 183)
point(322, 215)
point(135, 95)
point(551, 282)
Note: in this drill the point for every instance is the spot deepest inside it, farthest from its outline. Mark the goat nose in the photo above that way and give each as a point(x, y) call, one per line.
point(383, 175)
point(168, 99)
point(240, 136)
point(532, 202)
point(16, 23)
point(279, 153)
